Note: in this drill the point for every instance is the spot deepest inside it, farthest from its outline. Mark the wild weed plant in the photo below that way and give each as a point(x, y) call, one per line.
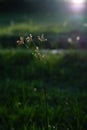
point(29, 43)
point(67, 111)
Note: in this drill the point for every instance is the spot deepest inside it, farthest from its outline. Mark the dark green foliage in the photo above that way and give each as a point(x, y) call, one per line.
point(22, 82)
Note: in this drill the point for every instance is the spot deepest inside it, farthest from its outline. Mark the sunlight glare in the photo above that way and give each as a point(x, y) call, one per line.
point(77, 2)
point(78, 5)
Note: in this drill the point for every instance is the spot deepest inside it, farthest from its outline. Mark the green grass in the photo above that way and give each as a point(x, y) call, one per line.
point(20, 23)
point(15, 25)
point(22, 82)
point(30, 27)
point(56, 29)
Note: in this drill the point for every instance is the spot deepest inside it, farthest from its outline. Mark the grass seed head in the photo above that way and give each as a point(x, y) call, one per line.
point(29, 38)
point(20, 41)
point(42, 38)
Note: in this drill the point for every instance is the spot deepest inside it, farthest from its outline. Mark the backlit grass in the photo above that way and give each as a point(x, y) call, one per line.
point(25, 28)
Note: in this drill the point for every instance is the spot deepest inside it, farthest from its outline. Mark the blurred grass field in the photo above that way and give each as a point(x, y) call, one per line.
point(22, 82)
point(23, 77)
point(56, 29)
point(37, 23)
point(16, 24)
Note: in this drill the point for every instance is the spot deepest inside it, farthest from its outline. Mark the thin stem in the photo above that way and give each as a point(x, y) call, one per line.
point(46, 108)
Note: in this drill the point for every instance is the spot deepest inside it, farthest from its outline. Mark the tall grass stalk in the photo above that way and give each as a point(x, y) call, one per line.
point(30, 44)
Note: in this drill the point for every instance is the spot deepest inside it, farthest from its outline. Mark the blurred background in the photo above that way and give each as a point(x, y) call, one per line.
point(48, 92)
point(62, 21)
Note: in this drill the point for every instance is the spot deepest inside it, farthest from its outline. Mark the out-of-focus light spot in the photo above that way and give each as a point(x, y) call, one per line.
point(85, 25)
point(69, 40)
point(12, 23)
point(78, 38)
point(35, 89)
point(65, 23)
